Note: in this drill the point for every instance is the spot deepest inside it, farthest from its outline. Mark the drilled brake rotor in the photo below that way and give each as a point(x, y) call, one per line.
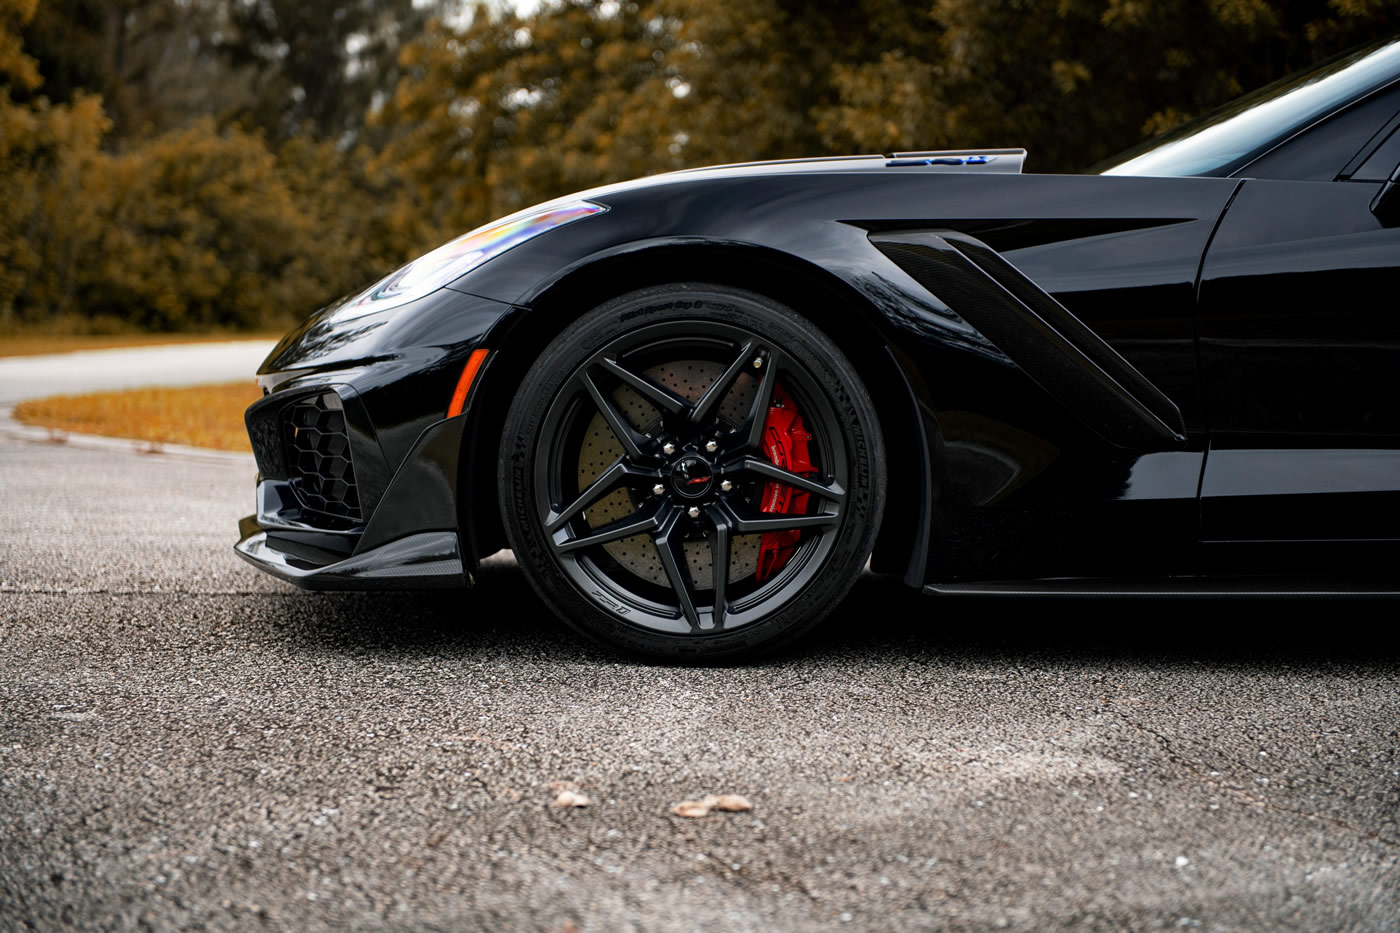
point(601, 448)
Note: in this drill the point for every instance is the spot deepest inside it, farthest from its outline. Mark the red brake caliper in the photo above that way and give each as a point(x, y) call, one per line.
point(785, 444)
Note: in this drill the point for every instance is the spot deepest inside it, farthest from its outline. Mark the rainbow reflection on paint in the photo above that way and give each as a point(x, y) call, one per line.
point(452, 260)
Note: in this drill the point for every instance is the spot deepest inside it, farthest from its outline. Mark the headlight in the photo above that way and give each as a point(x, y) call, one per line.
point(451, 261)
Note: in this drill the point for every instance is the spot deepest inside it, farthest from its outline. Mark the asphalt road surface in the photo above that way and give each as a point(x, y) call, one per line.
point(186, 744)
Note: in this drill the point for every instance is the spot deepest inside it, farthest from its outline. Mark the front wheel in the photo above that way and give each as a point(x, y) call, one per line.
point(692, 472)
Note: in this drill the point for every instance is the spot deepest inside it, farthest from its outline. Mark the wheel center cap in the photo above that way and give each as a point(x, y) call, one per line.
point(692, 477)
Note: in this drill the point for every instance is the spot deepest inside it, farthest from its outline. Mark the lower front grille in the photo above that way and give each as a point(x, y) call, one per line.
point(318, 456)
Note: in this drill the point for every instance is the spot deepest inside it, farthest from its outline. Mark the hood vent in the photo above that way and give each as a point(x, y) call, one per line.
point(999, 161)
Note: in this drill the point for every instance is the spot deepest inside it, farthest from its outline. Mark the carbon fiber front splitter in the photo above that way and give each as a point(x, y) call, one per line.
point(427, 560)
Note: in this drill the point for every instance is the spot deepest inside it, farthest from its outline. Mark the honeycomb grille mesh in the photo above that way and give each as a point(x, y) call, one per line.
point(318, 456)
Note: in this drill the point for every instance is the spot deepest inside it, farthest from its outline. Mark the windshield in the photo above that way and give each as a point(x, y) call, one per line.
point(1228, 139)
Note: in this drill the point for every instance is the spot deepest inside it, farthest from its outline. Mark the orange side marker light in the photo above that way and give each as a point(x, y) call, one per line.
point(464, 384)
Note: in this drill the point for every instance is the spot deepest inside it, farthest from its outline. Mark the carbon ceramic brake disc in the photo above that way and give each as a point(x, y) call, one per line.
point(600, 449)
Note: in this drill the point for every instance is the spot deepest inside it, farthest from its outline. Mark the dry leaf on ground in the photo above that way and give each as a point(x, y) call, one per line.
point(694, 809)
point(732, 803)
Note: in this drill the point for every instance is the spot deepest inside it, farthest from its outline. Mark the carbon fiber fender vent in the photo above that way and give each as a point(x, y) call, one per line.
point(318, 456)
point(1052, 346)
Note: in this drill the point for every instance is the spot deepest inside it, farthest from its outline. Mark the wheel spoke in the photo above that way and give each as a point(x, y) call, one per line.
point(746, 522)
point(629, 437)
point(772, 471)
point(720, 540)
point(670, 549)
point(752, 434)
point(658, 395)
point(606, 482)
point(720, 387)
point(642, 522)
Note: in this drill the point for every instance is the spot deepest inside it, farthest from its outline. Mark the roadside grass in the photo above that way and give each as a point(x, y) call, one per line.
point(199, 416)
point(34, 344)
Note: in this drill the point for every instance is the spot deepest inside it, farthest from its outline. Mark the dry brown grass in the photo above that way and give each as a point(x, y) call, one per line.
point(35, 344)
point(200, 416)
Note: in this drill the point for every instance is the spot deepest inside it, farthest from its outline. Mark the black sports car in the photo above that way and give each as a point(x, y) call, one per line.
point(694, 405)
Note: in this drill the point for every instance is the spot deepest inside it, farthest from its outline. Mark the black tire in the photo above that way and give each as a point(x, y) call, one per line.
point(644, 423)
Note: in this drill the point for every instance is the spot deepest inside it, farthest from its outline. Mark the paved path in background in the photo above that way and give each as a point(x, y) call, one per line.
point(187, 744)
point(29, 377)
point(25, 377)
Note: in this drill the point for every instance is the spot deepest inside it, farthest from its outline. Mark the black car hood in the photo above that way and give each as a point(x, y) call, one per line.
point(358, 340)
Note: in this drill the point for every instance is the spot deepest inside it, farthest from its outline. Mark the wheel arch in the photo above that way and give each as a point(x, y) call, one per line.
point(906, 420)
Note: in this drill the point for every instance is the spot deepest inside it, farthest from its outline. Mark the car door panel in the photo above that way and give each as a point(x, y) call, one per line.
point(1300, 366)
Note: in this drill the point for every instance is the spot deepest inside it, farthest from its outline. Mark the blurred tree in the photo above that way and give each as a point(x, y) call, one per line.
point(759, 71)
point(150, 60)
point(511, 110)
point(19, 75)
point(278, 65)
point(197, 230)
point(45, 153)
point(1078, 80)
point(488, 117)
point(514, 109)
point(182, 222)
point(19, 72)
point(194, 228)
point(263, 156)
point(318, 62)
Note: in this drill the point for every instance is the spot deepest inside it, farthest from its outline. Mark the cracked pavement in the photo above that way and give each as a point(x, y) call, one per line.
point(187, 744)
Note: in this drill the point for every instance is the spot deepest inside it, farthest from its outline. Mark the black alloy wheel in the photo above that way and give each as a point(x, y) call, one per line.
point(645, 482)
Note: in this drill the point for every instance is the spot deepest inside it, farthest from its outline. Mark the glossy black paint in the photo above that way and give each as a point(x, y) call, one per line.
point(1078, 375)
point(1300, 357)
point(1040, 336)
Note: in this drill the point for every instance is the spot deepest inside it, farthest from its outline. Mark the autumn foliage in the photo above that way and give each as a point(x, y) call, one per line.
point(197, 416)
point(238, 163)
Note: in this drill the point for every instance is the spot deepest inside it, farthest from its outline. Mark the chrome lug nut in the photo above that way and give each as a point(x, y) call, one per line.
point(693, 511)
point(668, 448)
point(658, 489)
point(712, 446)
point(726, 485)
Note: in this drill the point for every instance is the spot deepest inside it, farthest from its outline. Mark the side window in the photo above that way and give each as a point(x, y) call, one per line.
point(1380, 166)
point(1322, 151)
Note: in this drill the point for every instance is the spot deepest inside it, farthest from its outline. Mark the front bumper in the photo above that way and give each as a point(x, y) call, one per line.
point(407, 536)
point(359, 469)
